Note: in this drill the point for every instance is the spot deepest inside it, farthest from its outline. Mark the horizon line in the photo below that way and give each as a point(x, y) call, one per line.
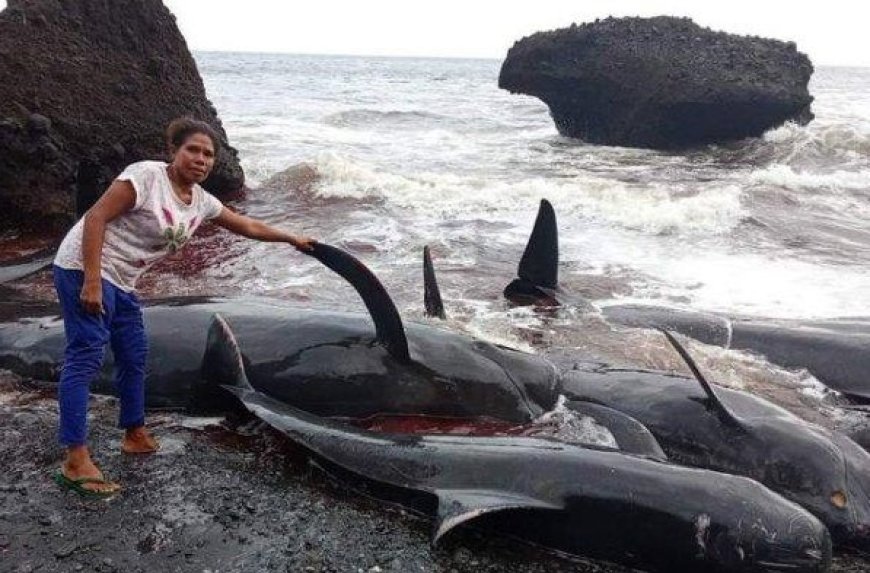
point(346, 55)
point(424, 57)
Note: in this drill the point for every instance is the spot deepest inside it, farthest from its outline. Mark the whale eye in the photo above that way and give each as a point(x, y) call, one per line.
point(838, 498)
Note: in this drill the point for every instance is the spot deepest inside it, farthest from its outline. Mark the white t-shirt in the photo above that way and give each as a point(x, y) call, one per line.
point(158, 225)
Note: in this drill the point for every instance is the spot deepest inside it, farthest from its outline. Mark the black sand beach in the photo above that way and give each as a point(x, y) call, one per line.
point(216, 499)
point(213, 500)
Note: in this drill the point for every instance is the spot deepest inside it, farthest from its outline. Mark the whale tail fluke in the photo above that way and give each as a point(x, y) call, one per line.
point(538, 271)
point(431, 292)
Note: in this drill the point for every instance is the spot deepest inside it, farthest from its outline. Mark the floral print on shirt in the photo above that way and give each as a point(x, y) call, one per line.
point(176, 236)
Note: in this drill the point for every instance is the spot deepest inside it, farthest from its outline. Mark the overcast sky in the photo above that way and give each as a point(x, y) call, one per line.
point(831, 32)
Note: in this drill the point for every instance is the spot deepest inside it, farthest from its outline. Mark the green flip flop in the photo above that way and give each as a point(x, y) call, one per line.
point(78, 485)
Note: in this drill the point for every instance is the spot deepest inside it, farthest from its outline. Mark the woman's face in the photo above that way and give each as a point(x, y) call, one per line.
point(194, 159)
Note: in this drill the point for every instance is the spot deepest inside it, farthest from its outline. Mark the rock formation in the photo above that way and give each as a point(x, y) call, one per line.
point(660, 82)
point(87, 87)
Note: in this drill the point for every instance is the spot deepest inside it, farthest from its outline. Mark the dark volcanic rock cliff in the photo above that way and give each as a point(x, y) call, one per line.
point(86, 87)
point(659, 82)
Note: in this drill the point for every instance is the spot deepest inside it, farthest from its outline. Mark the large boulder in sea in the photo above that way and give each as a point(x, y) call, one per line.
point(660, 82)
point(87, 87)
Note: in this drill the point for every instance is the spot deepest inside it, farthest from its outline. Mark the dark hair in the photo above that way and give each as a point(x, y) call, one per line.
point(181, 128)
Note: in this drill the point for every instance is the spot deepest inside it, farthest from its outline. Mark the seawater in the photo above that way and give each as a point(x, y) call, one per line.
point(430, 151)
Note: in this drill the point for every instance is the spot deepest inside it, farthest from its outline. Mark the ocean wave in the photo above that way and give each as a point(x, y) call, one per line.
point(656, 210)
point(369, 118)
point(650, 208)
point(786, 176)
point(840, 144)
point(760, 284)
point(826, 144)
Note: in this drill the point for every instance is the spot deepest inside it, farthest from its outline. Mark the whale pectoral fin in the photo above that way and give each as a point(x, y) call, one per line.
point(223, 362)
point(458, 506)
point(631, 436)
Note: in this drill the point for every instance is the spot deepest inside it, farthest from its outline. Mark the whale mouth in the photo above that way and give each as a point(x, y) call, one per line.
point(813, 558)
point(804, 559)
point(814, 554)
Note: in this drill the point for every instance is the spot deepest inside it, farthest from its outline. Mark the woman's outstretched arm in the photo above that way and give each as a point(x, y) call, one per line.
point(254, 229)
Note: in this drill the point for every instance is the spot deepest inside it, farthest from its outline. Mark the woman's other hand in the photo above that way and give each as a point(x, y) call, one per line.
point(92, 298)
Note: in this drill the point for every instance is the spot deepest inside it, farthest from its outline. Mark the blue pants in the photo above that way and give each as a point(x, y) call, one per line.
point(120, 325)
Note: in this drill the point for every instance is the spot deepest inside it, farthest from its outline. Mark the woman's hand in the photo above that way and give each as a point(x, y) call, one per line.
point(92, 298)
point(302, 244)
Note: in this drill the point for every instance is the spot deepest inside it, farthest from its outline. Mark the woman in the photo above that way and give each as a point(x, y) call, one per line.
point(148, 212)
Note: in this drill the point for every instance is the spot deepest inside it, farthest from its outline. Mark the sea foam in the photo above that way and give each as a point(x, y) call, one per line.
point(648, 208)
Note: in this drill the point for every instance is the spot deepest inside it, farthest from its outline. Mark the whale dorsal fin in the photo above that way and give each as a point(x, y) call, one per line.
point(540, 262)
point(713, 400)
point(223, 367)
point(223, 355)
point(631, 436)
point(458, 506)
point(431, 293)
point(388, 323)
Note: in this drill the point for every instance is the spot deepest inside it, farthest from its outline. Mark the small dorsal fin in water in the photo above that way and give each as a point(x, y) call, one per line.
point(388, 323)
point(538, 272)
point(540, 262)
point(713, 400)
point(431, 293)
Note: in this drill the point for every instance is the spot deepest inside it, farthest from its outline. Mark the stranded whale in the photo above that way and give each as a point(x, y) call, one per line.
point(596, 502)
point(726, 430)
point(333, 364)
point(836, 351)
point(697, 428)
